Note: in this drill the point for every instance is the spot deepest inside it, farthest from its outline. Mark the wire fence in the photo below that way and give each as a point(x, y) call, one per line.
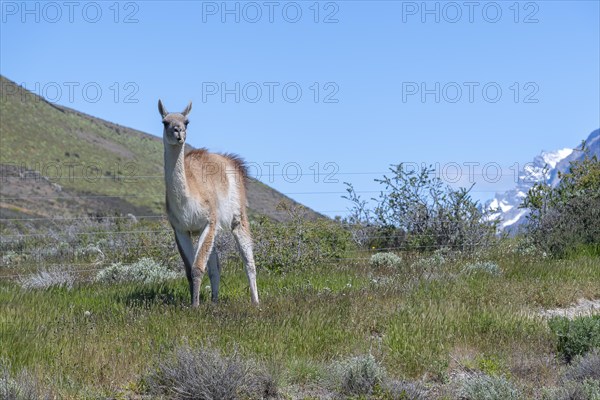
point(71, 253)
point(64, 227)
point(161, 196)
point(169, 232)
point(37, 175)
point(355, 255)
point(76, 269)
point(84, 218)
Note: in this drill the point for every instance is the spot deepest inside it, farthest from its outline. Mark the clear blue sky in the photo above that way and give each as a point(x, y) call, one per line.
point(371, 61)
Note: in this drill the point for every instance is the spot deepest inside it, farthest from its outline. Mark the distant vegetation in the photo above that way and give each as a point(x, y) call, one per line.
point(417, 211)
point(566, 218)
point(299, 242)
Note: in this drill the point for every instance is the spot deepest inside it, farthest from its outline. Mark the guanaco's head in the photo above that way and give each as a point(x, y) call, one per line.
point(175, 124)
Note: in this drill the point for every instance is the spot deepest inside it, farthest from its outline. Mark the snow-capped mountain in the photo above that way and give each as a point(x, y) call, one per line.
point(544, 168)
point(592, 143)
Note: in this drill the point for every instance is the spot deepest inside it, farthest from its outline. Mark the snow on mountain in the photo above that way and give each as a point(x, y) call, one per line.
point(544, 168)
point(592, 144)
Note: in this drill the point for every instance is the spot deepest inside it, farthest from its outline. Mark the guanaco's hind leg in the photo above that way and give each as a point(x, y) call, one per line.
point(214, 274)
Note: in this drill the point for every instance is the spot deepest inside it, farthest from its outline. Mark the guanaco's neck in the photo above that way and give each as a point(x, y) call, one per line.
point(176, 185)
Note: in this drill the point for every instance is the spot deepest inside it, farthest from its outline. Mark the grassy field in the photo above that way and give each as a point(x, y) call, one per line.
point(425, 320)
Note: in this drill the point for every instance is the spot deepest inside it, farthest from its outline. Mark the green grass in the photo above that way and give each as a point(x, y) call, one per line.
point(308, 319)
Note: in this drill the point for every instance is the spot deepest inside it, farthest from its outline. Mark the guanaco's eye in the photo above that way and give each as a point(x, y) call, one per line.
point(186, 122)
point(165, 123)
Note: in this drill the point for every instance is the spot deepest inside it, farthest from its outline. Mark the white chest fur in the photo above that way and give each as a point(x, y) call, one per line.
point(187, 215)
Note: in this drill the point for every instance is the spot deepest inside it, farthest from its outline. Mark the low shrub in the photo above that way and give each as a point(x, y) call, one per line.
point(298, 242)
point(577, 336)
point(434, 261)
point(396, 390)
point(145, 270)
point(385, 260)
point(23, 386)
point(359, 375)
point(485, 387)
point(429, 267)
point(83, 241)
point(586, 390)
point(91, 253)
point(585, 367)
point(205, 374)
point(44, 279)
point(11, 258)
point(486, 267)
point(364, 377)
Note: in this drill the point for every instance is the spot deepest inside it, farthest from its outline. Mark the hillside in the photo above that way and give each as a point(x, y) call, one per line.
point(56, 161)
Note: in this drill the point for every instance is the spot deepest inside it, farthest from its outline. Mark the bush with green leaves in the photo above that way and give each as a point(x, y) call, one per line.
point(206, 374)
point(416, 210)
point(566, 218)
point(298, 242)
point(486, 267)
point(385, 260)
point(577, 336)
point(485, 387)
point(145, 270)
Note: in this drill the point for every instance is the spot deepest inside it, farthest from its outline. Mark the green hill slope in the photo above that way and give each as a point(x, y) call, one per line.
point(59, 162)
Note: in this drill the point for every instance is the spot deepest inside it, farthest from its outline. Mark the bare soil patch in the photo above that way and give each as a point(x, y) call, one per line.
point(584, 307)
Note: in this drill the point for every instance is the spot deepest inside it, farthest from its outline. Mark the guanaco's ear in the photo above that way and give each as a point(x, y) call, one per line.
point(187, 109)
point(161, 109)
